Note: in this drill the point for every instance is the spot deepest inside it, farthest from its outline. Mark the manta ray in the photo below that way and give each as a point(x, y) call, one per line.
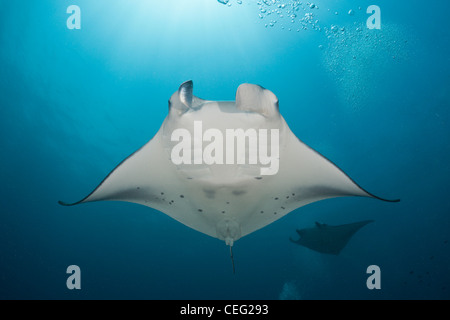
point(328, 239)
point(223, 189)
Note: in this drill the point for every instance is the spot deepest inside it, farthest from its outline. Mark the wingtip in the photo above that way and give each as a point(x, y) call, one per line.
point(65, 204)
point(371, 195)
point(386, 200)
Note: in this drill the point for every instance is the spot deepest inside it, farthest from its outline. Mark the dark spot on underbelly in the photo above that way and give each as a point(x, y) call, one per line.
point(210, 193)
point(238, 192)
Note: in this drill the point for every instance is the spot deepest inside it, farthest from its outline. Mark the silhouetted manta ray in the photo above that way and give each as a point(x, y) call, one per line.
point(328, 239)
point(224, 201)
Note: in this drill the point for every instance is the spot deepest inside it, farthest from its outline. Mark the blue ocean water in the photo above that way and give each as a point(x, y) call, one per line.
point(76, 102)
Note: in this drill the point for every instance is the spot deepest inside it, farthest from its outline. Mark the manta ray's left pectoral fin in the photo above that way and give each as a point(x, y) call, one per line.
point(140, 178)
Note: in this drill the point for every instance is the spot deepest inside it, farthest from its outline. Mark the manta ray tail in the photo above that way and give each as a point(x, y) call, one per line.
point(232, 260)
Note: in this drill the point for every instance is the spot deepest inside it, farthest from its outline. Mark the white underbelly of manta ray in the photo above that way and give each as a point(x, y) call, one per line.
point(225, 169)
